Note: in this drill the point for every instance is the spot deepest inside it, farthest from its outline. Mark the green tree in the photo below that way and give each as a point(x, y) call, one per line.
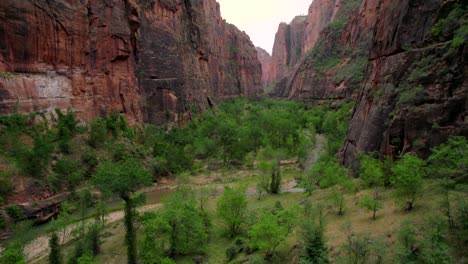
point(407, 248)
point(434, 242)
point(407, 179)
point(232, 208)
point(186, 224)
point(97, 133)
point(67, 126)
point(372, 173)
point(328, 172)
point(272, 229)
point(68, 172)
point(156, 238)
point(450, 160)
point(86, 259)
point(371, 204)
point(342, 185)
point(270, 180)
point(315, 248)
point(275, 184)
point(13, 254)
point(446, 204)
point(55, 257)
point(123, 179)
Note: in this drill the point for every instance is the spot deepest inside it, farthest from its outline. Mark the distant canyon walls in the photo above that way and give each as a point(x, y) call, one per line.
point(404, 69)
point(154, 60)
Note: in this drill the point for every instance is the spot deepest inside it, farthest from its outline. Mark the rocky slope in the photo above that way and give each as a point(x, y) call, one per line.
point(155, 60)
point(403, 62)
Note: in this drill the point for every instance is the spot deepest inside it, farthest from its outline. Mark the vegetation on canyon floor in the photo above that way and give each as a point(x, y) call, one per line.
point(270, 203)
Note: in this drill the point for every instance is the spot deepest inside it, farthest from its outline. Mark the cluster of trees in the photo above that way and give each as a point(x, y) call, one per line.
point(61, 154)
point(118, 160)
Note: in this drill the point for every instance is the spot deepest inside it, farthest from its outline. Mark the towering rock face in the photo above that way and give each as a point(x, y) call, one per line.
point(265, 60)
point(405, 69)
point(154, 60)
point(288, 47)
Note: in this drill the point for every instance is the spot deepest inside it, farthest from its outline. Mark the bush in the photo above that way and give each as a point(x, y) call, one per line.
point(67, 125)
point(13, 255)
point(15, 212)
point(5, 184)
point(3, 222)
point(232, 208)
point(181, 225)
point(231, 253)
point(411, 95)
point(97, 133)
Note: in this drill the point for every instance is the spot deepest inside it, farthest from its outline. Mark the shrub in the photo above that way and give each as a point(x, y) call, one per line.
point(15, 212)
point(353, 70)
point(232, 208)
point(14, 255)
point(461, 36)
point(410, 95)
point(3, 222)
point(231, 253)
point(5, 184)
point(97, 133)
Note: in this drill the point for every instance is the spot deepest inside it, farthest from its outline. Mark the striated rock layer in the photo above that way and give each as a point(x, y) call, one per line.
point(154, 60)
point(409, 85)
point(265, 60)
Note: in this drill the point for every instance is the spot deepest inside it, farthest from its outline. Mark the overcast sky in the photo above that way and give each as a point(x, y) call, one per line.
point(260, 18)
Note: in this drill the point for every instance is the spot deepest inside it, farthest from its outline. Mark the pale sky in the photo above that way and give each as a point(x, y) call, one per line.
point(260, 18)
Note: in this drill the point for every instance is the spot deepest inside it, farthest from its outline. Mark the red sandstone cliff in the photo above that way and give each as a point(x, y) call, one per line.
point(153, 60)
point(409, 86)
point(265, 60)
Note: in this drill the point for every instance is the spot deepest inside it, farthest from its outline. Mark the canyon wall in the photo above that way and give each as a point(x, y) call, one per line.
point(154, 60)
point(408, 82)
point(265, 60)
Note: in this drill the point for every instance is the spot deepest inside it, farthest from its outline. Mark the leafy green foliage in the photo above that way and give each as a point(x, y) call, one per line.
point(430, 248)
point(5, 184)
point(328, 172)
point(156, 237)
point(86, 259)
point(461, 36)
point(35, 161)
point(55, 256)
point(315, 248)
point(15, 212)
point(353, 70)
point(453, 25)
point(13, 255)
point(361, 247)
point(187, 230)
point(450, 160)
point(272, 229)
point(407, 178)
point(97, 134)
point(67, 171)
point(371, 171)
point(411, 95)
point(232, 208)
point(371, 204)
point(121, 178)
point(320, 58)
point(67, 127)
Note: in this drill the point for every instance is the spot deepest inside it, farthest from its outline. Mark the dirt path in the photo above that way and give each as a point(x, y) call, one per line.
point(39, 247)
point(317, 151)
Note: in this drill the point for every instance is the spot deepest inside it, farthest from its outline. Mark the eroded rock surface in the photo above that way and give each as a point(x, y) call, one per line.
point(409, 85)
point(97, 57)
